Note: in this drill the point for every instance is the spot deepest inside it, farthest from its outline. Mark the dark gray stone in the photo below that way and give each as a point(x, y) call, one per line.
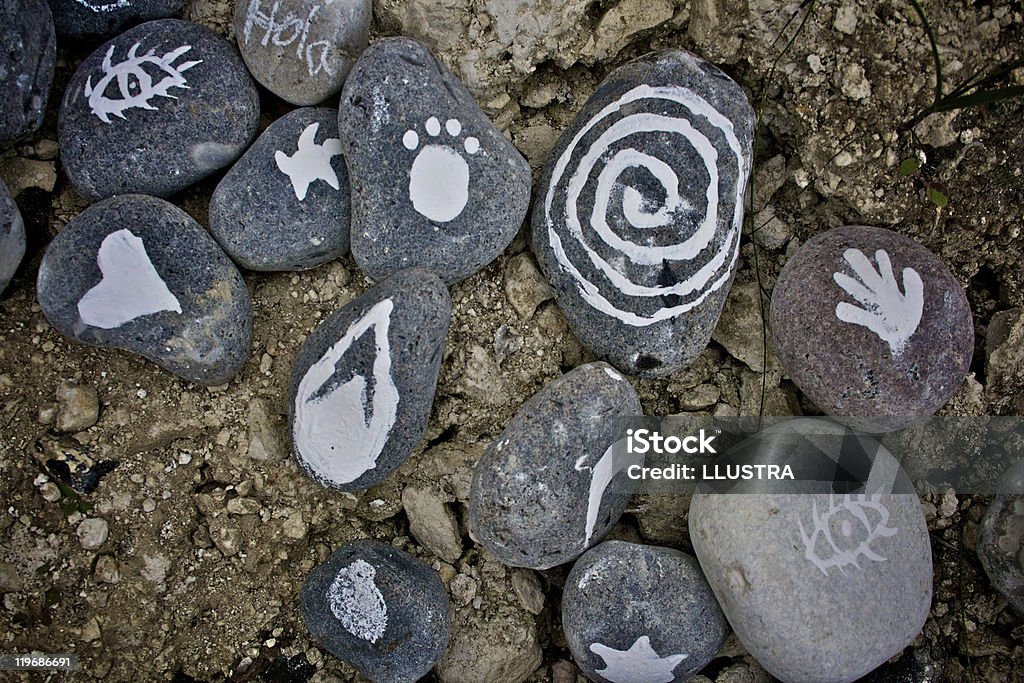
point(285, 204)
point(1001, 540)
point(92, 19)
point(379, 609)
point(910, 344)
point(638, 218)
point(635, 612)
point(363, 383)
point(12, 237)
point(187, 109)
point(302, 50)
point(434, 183)
point(26, 66)
point(137, 273)
point(547, 488)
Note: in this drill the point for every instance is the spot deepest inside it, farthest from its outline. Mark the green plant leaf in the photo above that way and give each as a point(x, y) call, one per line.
point(937, 198)
point(979, 98)
point(909, 166)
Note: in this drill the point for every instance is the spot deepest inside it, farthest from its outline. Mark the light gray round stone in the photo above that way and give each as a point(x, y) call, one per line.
point(12, 237)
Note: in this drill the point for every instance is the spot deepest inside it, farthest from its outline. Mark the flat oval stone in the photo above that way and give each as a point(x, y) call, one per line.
point(285, 204)
point(548, 487)
point(379, 609)
point(12, 237)
point(434, 183)
point(870, 324)
point(137, 273)
point(302, 50)
point(1001, 539)
point(26, 67)
point(638, 227)
point(90, 19)
point(363, 383)
point(635, 612)
point(155, 110)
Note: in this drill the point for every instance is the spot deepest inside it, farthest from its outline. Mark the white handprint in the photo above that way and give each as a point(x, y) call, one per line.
point(888, 312)
point(332, 433)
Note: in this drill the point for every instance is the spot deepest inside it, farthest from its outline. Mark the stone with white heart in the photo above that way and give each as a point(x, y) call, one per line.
point(137, 273)
point(635, 612)
point(379, 609)
point(285, 204)
point(872, 327)
point(302, 50)
point(552, 485)
point(26, 66)
point(12, 237)
point(434, 183)
point(156, 109)
point(363, 382)
point(91, 19)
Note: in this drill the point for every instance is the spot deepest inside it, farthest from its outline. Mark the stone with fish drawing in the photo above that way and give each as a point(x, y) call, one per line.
point(872, 327)
point(302, 50)
point(621, 625)
point(638, 217)
point(154, 110)
point(12, 237)
point(285, 204)
point(434, 183)
point(824, 583)
point(378, 609)
point(26, 64)
point(91, 19)
point(552, 484)
point(137, 273)
point(363, 382)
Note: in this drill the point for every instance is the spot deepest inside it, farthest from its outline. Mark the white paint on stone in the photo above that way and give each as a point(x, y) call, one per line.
point(615, 459)
point(100, 6)
point(439, 176)
point(639, 664)
point(310, 162)
point(846, 531)
point(284, 29)
point(357, 603)
point(136, 85)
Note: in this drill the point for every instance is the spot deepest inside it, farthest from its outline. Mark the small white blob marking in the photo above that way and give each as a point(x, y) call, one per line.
point(453, 126)
point(357, 603)
point(433, 126)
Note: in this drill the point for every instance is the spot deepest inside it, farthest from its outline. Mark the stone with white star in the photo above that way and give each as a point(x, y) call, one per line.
point(639, 664)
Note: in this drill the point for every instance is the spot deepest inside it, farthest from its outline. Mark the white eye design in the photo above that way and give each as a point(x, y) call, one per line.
point(845, 531)
point(135, 85)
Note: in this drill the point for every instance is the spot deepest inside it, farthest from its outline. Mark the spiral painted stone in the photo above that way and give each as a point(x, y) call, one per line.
point(638, 226)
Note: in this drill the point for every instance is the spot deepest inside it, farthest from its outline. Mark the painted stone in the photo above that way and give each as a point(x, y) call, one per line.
point(1001, 539)
point(12, 237)
point(26, 66)
point(285, 204)
point(137, 273)
point(818, 586)
point(379, 609)
point(302, 50)
point(872, 327)
point(635, 612)
point(434, 183)
point(363, 383)
point(90, 19)
point(638, 221)
point(549, 487)
point(155, 110)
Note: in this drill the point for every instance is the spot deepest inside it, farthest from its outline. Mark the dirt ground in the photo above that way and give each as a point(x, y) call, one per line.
point(211, 528)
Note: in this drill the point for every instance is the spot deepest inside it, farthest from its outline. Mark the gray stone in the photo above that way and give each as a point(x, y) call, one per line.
point(379, 609)
point(137, 273)
point(91, 19)
point(1001, 538)
point(92, 532)
point(78, 407)
point(285, 204)
point(637, 224)
point(12, 237)
point(432, 523)
point(26, 67)
point(640, 612)
point(548, 487)
point(155, 110)
point(434, 183)
point(302, 50)
point(878, 344)
point(363, 383)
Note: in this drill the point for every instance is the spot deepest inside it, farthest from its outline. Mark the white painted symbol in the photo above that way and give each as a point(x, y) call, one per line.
point(130, 287)
point(283, 30)
point(615, 459)
point(101, 6)
point(643, 213)
point(357, 603)
point(888, 312)
point(311, 162)
point(844, 532)
point(340, 432)
point(639, 664)
point(439, 177)
point(135, 84)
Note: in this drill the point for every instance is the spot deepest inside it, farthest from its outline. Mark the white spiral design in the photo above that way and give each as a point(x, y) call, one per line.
point(718, 256)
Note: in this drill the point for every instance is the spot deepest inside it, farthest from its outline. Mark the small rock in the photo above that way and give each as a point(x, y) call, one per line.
point(92, 19)
point(22, 174)
point(463, 589)
point(294, 526)
point(228, 539)
point(10, 580)
point(624, 20)
point(741, 329)
point(243, 506)
point(91, 631)
point(138, 273)
point(499, 647)
point(528, 589)
point(854, 83)
point(525, 285)
point(483, 380)
point(937, 129)
point(26, 67)
point(106, 570)
point(699, 397)
point(78, 407)
point(769, 179)
point(432, 523)
point(50, 492)
point(1001, 538)
point(12, 237)
point(1004, 357)
point(267, 441)
point(770, 231)
point(846, 18)
point(378, 609)
point(92, 532)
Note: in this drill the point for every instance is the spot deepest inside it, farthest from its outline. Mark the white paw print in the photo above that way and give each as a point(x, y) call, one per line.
point(439, 176)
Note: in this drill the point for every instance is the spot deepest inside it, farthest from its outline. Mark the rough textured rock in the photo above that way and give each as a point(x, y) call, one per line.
point(12, 237)
point(432, 523)
point(78, 407)
point(26, 66)
point(1002, 538)
point(1004, 362)
point(90, 19)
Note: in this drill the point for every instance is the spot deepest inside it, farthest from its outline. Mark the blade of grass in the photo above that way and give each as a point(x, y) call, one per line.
point(979, 98)
point(935, 48)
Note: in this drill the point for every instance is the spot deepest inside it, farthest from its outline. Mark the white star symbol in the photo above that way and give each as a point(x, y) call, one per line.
point(311, 162)
point(639, 664)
